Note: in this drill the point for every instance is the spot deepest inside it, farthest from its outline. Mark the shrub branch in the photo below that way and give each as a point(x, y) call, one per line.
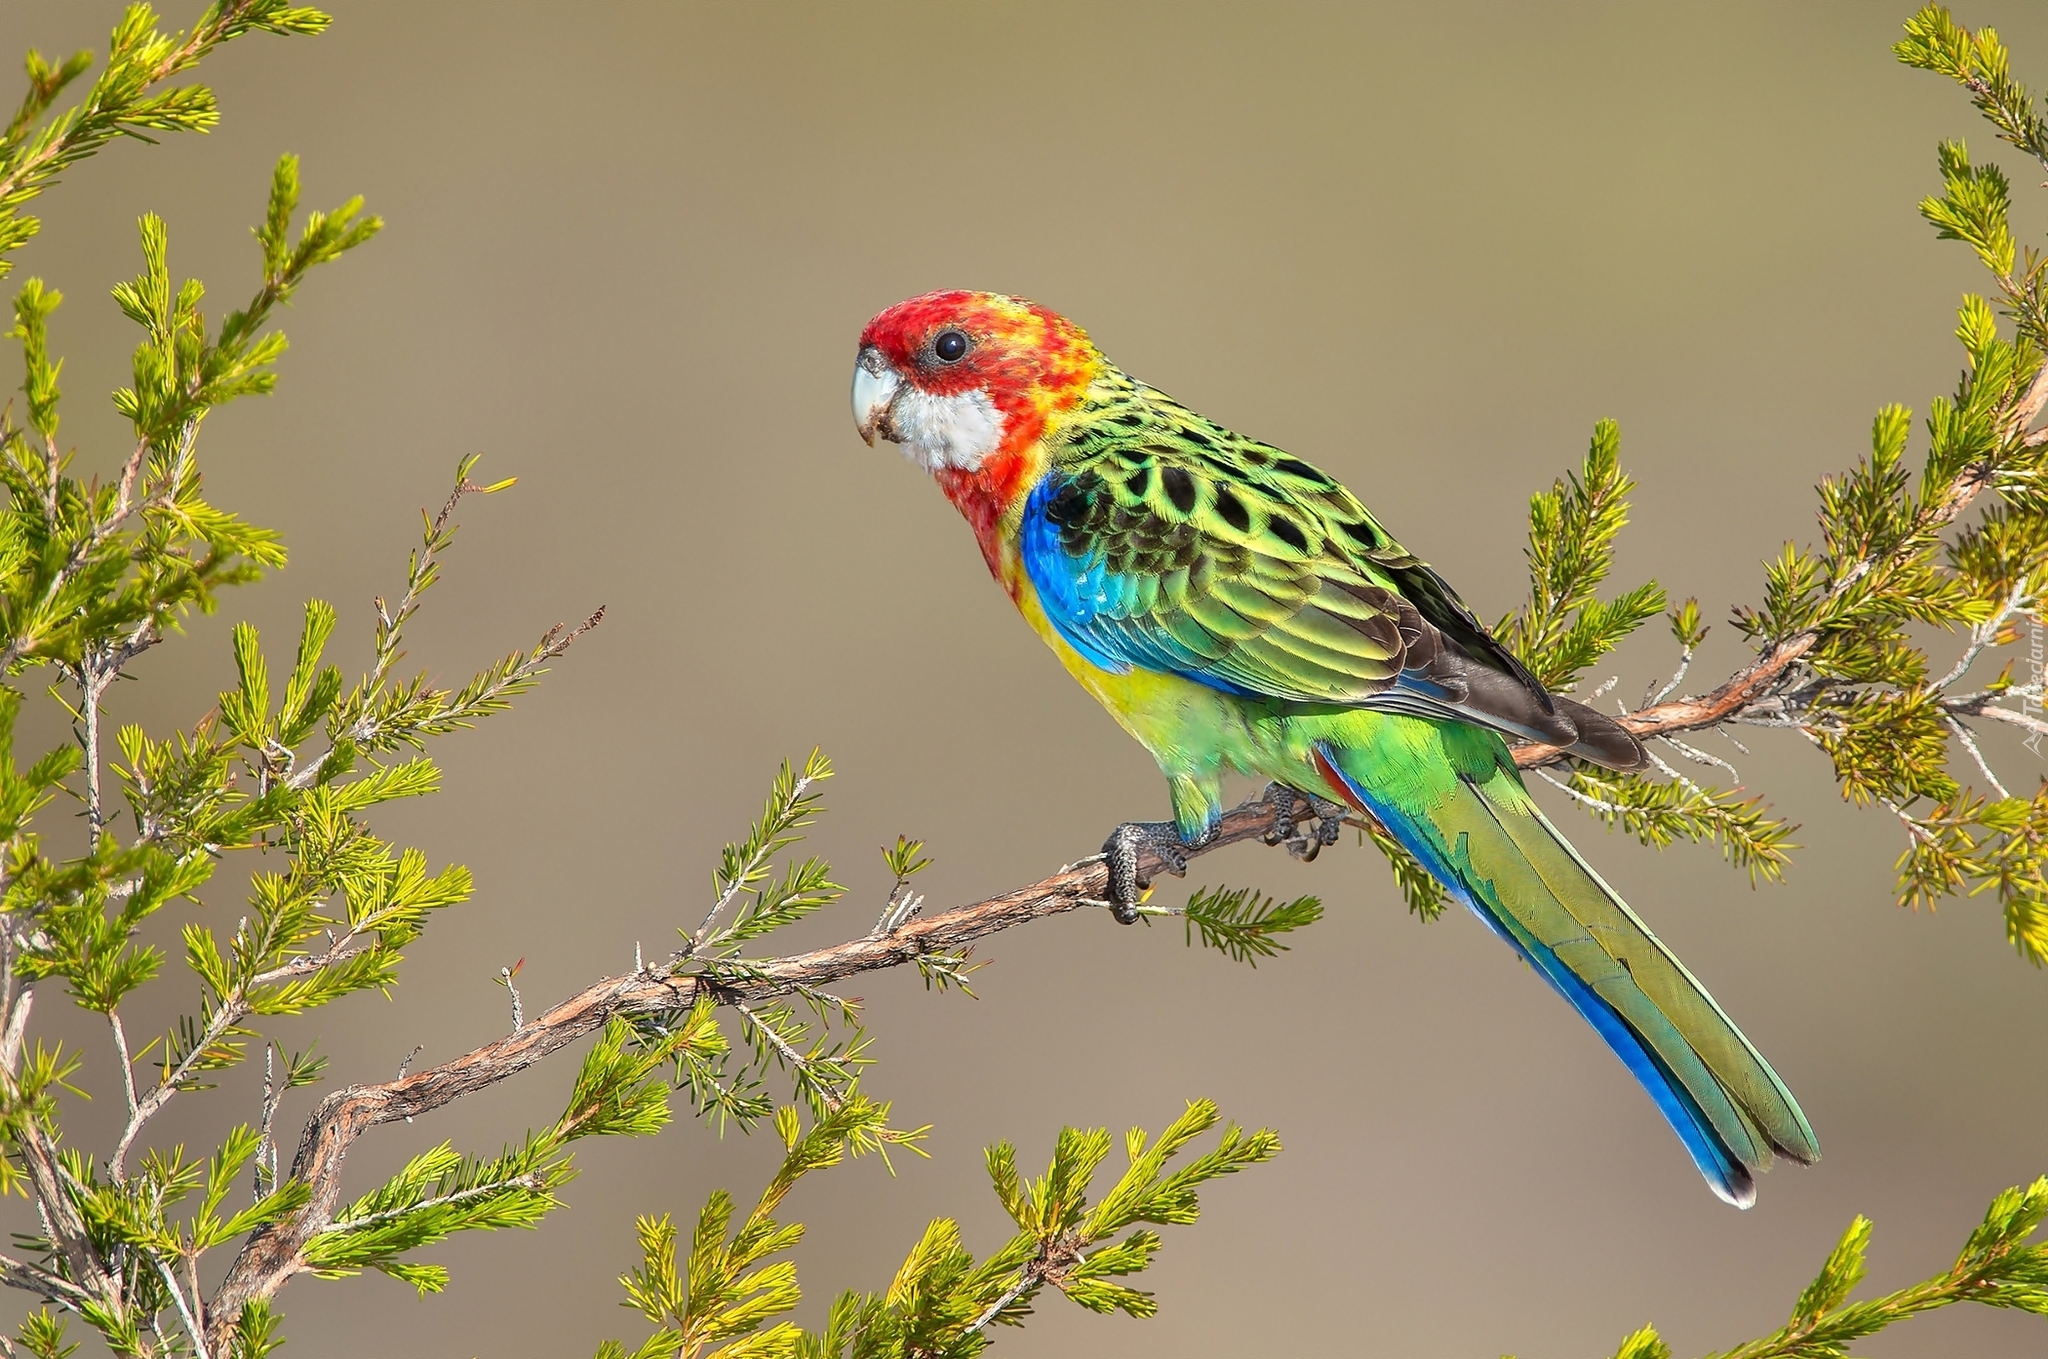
point(272, 1256)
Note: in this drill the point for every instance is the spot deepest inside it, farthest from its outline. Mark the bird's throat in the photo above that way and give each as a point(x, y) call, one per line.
point(990, 498)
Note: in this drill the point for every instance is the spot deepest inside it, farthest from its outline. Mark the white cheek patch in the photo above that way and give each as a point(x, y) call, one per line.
point(946, 431)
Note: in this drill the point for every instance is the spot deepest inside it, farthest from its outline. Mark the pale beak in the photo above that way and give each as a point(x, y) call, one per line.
point(874, 391)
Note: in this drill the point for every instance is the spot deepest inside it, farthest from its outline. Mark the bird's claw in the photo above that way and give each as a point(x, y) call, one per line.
point(1281, 799)
point(1123, 853)
point(1328, 815)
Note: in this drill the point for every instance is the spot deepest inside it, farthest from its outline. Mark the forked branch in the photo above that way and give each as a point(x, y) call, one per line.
point(1752, 691)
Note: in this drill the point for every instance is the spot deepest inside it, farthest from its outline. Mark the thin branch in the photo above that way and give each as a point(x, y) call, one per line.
point(86, 125)
point(233, 1010)
point(1026, 1277)
point(1906, 819)
point(1998, 714)
point(798, 1063)
point(192, 1326)
point(62, 1222)
point(16, 1033)
point(1744, 687)
point(1597, 804)
point(1983, 634)
point(125, 504)
point(127, 1063)
point(93, 677)
point(1054, 1264)
point(1698, 756)
point(266, 1144)
point(530, 1182)
point(35, 1279)
point(746, 871)
point(1664, 767)
point(391, 622)
point(552, 644)
point(1969, 741)
point(505, 975)
point(1671, 685)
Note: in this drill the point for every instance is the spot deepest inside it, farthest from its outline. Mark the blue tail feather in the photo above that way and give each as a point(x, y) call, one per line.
point(1718, 1163)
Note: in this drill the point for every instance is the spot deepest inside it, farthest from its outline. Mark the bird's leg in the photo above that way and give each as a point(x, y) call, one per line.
point(1123, 851)
point(1281, 799)
point(1329, 818)
point(1329, 825)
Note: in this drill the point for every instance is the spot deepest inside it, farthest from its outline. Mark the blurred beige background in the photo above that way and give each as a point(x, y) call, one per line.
point(630, 247)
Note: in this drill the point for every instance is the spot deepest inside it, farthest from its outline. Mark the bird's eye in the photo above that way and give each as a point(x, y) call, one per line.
point(951, 346)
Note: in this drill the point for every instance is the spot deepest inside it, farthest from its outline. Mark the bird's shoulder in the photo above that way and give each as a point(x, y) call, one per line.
point(1159, 538)
point(1144, 487)
point(1133, 461)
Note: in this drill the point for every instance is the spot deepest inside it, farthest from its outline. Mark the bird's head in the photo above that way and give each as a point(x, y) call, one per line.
point(960, 379)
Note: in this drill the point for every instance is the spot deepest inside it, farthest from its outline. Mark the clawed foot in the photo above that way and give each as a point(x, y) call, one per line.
point(1125, 848)
point(1329, 818)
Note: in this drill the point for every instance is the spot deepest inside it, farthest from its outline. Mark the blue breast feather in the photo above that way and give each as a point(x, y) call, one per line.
point(1114, 620)
point(1099, 612)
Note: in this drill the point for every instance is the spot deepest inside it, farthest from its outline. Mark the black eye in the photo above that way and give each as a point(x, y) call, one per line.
point(951, 346)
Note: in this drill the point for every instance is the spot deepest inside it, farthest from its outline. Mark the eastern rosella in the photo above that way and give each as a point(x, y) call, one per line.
point(1236, 609)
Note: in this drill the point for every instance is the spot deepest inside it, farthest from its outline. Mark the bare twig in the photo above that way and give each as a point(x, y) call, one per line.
point(230, 1013)
point(1963, 734)
point(1698, 756)
point(2008, 715)
point(505, 975)
point(1985, 633)
point(185, 1309)
point(35, 1279)
point(127, 1063)
point(266, 1145)
point(93, 676)
point(16, 1032)
point(1597, 804)
point(1026, 1277)
point(1671, 685)
point(1747, 685)
point(62, 1221)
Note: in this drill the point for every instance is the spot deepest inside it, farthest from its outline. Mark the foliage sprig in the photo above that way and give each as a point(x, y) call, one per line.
point(1999, 1266)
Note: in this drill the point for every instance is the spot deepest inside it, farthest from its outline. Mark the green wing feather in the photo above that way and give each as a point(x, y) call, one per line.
point(1232, 560)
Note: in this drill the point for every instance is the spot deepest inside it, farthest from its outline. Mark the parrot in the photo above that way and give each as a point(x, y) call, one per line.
point(1237, 611)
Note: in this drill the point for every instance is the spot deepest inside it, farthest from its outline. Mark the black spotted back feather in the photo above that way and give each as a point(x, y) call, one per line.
point(1182, 545)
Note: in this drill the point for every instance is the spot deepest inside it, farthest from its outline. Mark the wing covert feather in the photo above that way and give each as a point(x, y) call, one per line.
point(1163, 541)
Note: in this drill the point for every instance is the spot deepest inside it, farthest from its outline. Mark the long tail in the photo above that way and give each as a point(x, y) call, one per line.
point(1477, 830)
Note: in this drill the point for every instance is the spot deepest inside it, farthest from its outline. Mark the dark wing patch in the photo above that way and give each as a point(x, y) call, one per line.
point(1220, 582)
point(1206, 554)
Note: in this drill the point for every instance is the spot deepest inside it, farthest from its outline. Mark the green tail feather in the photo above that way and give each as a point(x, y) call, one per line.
point(1470, 821)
